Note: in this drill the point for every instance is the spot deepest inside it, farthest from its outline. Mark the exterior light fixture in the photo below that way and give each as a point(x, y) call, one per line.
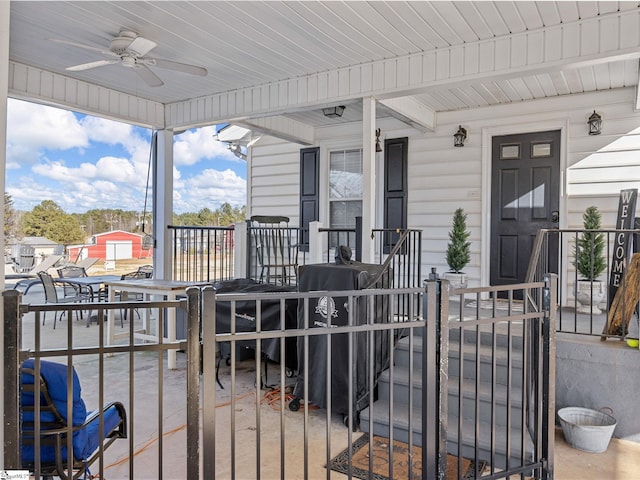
point(595, 124)
point(236, 149)
point(378, 147)
point(459, 137)
point(333, 112)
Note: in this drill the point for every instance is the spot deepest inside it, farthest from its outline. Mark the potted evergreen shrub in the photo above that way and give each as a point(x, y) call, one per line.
point(590, 262)
point(458, 250)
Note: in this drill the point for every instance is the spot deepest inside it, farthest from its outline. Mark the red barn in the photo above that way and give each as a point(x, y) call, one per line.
point(114, 245)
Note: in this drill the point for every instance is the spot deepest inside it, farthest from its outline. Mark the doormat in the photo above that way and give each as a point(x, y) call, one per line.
point(360, 461)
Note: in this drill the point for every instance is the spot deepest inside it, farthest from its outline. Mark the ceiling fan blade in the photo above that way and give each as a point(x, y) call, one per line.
point(86, 47)
point(148, 76)
point(177, 66)
point(87, 66)
point(141, 46)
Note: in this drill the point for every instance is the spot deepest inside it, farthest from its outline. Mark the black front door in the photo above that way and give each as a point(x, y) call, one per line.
point(525, 197)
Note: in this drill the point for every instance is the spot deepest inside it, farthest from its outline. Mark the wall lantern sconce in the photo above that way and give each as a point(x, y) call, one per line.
point(459, 137)
point(595, 124)
point(333, 112)
point(378, 147)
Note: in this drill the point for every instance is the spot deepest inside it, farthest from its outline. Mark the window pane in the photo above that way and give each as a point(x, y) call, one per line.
point(345, 174)
point(343, 214)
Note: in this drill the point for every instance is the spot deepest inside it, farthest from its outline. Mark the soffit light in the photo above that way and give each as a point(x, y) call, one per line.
point(333, 112)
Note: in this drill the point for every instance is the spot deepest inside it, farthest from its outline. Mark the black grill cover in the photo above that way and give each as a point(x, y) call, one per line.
point(327, 311)
point(246, 317)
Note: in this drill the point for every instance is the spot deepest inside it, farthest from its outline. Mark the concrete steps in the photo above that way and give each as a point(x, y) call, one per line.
point(491, 406)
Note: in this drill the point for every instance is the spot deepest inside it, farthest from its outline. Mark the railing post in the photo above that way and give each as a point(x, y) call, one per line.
point(550, 305)
point(359, 239)
point(12, 322)
point(435, 359)
point(209, 351)
point(193, 383)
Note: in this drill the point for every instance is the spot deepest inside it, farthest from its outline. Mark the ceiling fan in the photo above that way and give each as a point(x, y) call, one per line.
point(130, 50)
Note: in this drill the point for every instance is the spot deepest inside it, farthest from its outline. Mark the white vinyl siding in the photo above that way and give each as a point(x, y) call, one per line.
point(273, 179)
point(442, 178)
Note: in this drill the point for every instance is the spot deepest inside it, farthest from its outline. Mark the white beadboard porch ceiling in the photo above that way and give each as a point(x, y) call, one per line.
point(249, 44)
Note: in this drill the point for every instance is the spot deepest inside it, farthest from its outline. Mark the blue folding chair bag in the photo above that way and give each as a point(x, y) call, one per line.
point(54, 425)
point(86, 440)
point(55, 375)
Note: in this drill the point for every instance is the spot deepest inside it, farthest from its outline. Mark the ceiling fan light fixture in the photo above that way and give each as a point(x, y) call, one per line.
point(333, 112)
point(128, 61)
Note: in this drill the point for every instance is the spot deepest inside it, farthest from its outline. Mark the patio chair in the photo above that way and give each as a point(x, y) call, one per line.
point(73, 271)
point(25, 260)
point(147, 269)
point(32, 279)
point(54, 425)
point(136, 296)
point(86, 263)
point(276, 249)
point(51, 296)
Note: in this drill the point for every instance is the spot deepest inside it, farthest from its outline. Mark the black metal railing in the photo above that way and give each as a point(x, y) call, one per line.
point(399, 250)
point(585, 304)
point(494, 367)
point(349, 236)
point(202, 254)
point(501, 376)
point(131, 370)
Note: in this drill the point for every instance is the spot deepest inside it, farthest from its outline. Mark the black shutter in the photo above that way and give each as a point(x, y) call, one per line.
point(309, 192)
point(395, 188)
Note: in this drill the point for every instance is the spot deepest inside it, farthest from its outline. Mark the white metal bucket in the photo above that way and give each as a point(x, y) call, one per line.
point(585, 429)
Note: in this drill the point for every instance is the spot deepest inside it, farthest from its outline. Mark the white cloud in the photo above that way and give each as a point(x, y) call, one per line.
point(58, 171)
point(32, 128)
point(194, 145)
point(211, 188)
point(117, 170)
point(107, 131)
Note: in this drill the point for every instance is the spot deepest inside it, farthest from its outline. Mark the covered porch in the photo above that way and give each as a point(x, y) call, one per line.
point(494, 68)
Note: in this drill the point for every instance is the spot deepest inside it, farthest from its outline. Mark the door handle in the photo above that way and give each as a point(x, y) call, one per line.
point(555, 216)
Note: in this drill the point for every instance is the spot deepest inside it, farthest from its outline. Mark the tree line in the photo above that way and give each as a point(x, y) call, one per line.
point(49, 220)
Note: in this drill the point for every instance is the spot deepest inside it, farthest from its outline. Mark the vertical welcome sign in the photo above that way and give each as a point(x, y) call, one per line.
point(622, 243)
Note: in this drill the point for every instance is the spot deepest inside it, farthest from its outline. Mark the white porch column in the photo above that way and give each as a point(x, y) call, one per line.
point(240, 250)
point(162, 204)
point(317, 243)
point(4, 88)
point(368, 177)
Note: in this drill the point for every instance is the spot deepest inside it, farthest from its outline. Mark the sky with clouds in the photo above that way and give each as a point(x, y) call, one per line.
point(83, 162)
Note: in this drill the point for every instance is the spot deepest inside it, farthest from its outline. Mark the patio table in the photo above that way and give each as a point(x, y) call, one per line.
point(169, 289)
point(89, 283)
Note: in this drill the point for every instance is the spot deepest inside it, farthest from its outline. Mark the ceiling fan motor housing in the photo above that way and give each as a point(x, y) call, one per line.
point(120, 43)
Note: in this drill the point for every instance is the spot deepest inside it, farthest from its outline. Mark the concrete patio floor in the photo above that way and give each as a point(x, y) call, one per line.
point(620, 461)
